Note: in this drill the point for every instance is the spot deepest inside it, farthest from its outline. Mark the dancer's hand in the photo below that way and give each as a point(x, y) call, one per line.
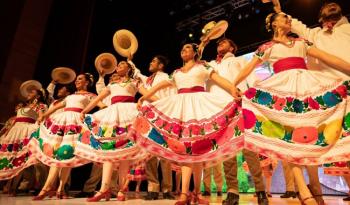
point(139, 103)
point(40, 119)
point(82, 116)
point(236, 93)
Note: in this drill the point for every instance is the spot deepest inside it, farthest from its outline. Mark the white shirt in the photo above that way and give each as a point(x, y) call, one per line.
point(229, 68)
point(159, 77)
point(100, 85)
point(336, 42)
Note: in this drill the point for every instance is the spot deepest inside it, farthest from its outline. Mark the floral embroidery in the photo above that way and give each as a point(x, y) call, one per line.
point(155, 136)
point(201, 146)
point(305, 135)
point(141, 125)
point(176, 146)
point(64, 152)
point(249, 118)
point(290, 104)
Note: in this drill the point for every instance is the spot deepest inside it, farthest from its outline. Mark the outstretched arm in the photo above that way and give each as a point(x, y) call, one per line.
point(247, 70)
point(329, 59)
point(144, 91)
point(96, 101)
point(50, 111)
point(152, 91)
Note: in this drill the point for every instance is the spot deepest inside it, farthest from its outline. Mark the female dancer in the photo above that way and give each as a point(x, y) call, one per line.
point(193, 128)
point(14, 152)
point(110, 138)
point(295, 115)
point(54, 142)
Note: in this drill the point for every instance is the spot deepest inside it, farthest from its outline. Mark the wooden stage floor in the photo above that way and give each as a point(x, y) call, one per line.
point(135, 199)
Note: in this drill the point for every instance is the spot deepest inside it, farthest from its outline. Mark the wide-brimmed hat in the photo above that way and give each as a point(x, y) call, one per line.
point(63, 75)
point(29, 85)
point(125, 42)
point(106, 62)
point(213, 30)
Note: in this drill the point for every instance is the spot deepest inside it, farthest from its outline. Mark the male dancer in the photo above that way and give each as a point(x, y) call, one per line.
point(156, 67)
point(228, 66)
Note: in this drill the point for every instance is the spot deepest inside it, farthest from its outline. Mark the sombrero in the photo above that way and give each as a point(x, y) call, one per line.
point(125, 42)
point(213, 30)
point(63, 75)
point(106, 62)
point(29, 85)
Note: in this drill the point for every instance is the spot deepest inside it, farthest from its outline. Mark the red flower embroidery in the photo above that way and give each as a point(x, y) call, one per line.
point(167, 127)
point(201, 146)
point(159, 122)
point(25, 141)
point(340, 164)
point(342, 91)
point(54, 129)
point(120, 143)
point(186, 132)
point(195, 129)
point(290, 99)
point(249, 119)
point(150, 115)
point(18, 161)
point(48, 122)
point(279, 103)
point(4, 147)
point(250, 93)
point(176, 128)
point(313, 103)
point(240, 124)
point(208, 127)
point(15, 147)
point(221, 120)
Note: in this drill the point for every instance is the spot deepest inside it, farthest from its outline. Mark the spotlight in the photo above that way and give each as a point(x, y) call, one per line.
point(190, 35)
point(239, 16)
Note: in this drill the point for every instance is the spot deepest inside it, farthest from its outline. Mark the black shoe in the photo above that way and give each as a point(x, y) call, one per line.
point(152, 196)
point(84, 194)
point(289, 194)
point(262, 199)
point(347, 198)
point(219, 193)
point(206, 193)
point(231, 199)
point(168, 195)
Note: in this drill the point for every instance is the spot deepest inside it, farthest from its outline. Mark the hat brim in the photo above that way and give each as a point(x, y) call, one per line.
point(29, 85)
point(109, 60)
point(125, 42)
point(217, 30)
point(63, 75)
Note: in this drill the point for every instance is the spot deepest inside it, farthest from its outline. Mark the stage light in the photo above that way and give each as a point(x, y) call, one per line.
point(190, 35)
point(239, 16)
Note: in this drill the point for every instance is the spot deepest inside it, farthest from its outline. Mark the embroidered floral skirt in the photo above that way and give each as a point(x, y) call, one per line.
point(191, 128)
point(14, 153)
point(299, 116)
point(110, 136)
point(55, 141)
point(138, 173)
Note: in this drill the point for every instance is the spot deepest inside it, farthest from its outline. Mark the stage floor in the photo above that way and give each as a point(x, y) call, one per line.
point(134, 199)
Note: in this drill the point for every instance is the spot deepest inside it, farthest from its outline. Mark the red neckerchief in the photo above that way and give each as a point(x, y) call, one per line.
point(329, 25)
point(150, 79)
point(219, 58)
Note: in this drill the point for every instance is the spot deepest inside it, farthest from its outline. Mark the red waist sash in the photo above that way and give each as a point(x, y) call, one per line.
point(121, 99)
point(194, 89)
point(289, 64)
point(25, 119)
point(74, 109)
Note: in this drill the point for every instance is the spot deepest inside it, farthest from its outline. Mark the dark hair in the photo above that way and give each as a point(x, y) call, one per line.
point(43, 96)
point(69, 87)
point(131, 70)
point(232, 44)
point(89, 77)
point(163, 60)
point(321, 17)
